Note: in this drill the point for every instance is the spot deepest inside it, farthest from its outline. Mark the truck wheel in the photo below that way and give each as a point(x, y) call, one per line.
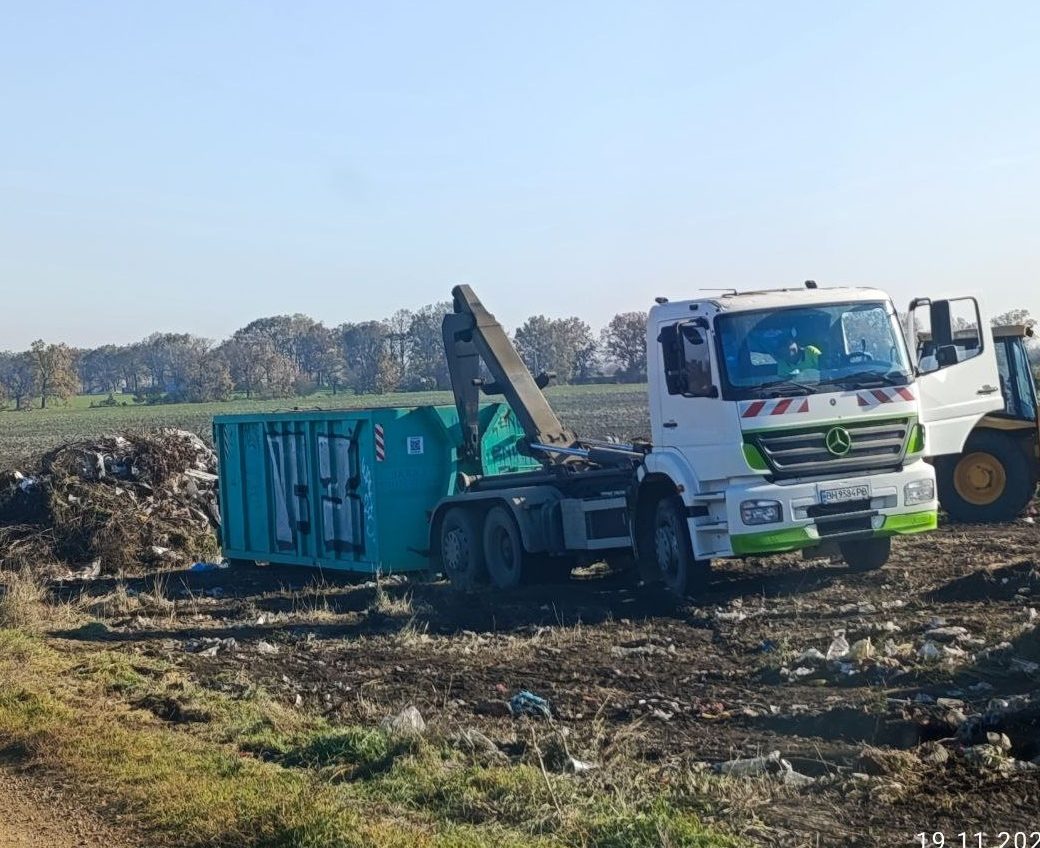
point(462, 555)
point(866, 554)
point(993, 480)
point(680, 571)
point(503, 549)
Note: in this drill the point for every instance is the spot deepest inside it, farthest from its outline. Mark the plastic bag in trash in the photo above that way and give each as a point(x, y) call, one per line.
point(527, 703)
point(207, 566)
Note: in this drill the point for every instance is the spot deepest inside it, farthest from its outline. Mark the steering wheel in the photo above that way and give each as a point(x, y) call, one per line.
point(858, 356)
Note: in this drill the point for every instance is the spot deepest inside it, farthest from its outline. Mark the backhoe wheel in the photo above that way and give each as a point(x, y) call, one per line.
point(462, 554)
point(681, 572)
point(993, 480)
point(866, 554)
point(503, 549)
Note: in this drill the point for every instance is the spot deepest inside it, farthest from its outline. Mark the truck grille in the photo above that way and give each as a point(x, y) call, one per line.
point(876, 445)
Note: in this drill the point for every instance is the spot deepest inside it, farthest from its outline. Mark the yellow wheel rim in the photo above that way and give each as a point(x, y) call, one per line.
point(979, 478)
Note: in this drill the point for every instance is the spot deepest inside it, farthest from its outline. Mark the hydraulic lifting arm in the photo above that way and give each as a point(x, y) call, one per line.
point(471, 333)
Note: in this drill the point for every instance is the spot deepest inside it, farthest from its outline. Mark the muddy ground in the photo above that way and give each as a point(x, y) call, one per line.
point(646, 684)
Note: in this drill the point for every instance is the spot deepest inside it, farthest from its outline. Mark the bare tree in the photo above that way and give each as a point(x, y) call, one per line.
point(561, 345)
point(370, 366)
point(19, 378)
point(257, 366)
point(427, 365)
point(624, 342)
point(55, 371)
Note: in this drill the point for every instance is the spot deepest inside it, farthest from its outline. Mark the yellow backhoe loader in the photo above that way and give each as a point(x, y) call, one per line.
point(994, 479)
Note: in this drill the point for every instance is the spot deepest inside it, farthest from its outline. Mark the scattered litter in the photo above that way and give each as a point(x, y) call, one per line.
point(91, 571)
point(209, 646)
point(527, 703)
point(772, 765)
point(643, 649)
point(473, 741)
point(861, 650)
point(125, 502)
point(930, 651)
point(264, 647)
point(408, 722)
point(839, 647)
point(207, 566)
point(811, 655)
point(947, 634)
point(576, 766)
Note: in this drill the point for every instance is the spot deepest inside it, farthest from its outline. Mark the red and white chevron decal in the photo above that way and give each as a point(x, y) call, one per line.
point(765, 408)
point(875, 397)
point(380, 443)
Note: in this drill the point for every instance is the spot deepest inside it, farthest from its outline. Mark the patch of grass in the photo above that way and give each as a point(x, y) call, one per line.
point(388, 604)
point(194, 782)
point(22, 602)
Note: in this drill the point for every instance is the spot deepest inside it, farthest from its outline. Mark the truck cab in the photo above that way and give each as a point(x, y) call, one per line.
point(797, 419)
point(781, 420)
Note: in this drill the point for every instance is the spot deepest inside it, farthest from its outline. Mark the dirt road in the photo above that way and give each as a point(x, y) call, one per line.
point(33, 815)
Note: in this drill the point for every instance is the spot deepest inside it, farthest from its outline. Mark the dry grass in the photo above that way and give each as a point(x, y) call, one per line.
point(23, 602)
point(388, 604)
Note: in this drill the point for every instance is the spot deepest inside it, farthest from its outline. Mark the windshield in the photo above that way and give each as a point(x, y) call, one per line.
point(806, 350)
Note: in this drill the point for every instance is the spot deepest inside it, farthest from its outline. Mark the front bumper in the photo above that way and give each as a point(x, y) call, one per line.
point(806, 522)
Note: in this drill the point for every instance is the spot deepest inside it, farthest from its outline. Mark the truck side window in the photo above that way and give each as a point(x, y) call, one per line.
point(687, 361)
point(696, 362)
point(672, 356)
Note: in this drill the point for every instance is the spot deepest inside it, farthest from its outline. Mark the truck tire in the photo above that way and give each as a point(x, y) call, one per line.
point(992, 480)
point(462, 554)
point(866, 554)
point(503, 549)
point(682, 573)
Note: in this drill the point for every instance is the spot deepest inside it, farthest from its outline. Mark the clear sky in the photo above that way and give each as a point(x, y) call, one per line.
point(190, 166)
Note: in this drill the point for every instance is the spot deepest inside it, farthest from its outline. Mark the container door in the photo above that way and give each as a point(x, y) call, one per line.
point(338, 472)
point(290, 490)
point(957, 374)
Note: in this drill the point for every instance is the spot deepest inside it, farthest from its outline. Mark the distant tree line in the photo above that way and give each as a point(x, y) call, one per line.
point(294, 355)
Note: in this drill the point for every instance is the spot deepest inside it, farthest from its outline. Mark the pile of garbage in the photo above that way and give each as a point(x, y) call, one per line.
point(116, 505)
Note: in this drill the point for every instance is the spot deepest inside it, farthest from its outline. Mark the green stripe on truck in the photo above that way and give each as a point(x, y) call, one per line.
point(772, 541)
point(910, 522)
point(793, 538)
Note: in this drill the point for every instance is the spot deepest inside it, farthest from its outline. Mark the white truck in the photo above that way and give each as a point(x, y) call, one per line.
point(780, 420)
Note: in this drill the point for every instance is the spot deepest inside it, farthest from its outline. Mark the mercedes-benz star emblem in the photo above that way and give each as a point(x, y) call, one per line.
point(838, 441)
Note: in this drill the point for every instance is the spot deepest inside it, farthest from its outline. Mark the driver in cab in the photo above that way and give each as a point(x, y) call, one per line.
point(794, 358)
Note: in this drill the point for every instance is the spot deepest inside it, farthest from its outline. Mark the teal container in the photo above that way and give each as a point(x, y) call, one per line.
point(350, 489)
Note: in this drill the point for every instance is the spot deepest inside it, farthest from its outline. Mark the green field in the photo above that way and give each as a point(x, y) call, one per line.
point(595, 411)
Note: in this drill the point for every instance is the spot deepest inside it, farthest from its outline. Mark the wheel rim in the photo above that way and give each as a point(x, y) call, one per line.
point(456, 551)
point(667, 546)
point(979, 478)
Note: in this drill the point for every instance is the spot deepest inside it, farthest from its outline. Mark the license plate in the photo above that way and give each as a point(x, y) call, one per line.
point(845, 493)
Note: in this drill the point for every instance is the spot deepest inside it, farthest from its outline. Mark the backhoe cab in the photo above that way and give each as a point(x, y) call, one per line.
point(994, 478)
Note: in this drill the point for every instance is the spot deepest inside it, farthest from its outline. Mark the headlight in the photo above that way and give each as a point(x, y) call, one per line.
point(760, 512)
point(919, 491)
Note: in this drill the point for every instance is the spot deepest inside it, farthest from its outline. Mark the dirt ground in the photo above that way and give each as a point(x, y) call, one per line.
point(647, 684)
point(36, 815)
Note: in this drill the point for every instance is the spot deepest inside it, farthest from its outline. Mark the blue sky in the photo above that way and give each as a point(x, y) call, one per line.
point(192, 166)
